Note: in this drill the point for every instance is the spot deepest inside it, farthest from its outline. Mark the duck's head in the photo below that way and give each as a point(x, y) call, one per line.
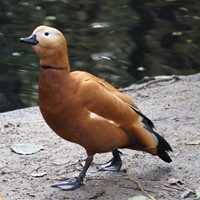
point(47, 42)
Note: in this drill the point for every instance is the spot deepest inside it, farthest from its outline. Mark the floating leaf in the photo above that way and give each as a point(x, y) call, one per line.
point(179, 33)
point(16, 54)
point(50, 18)
point(138, 198)
point(26, 149)
point(173, 181)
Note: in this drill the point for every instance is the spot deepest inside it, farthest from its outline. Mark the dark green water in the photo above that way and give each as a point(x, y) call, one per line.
point(119, 41)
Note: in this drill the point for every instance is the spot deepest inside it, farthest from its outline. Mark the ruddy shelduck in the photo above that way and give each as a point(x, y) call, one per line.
point(86, 110)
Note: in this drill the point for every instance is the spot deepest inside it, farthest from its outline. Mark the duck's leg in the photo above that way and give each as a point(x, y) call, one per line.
point(114, 164)
point(71, 185)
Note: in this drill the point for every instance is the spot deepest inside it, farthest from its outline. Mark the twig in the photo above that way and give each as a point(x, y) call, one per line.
point(162, 79)
point(174, 188)
point(153, 80)
point(148, 79)
point(138, 184)
point(184, 188)
point(180, 187)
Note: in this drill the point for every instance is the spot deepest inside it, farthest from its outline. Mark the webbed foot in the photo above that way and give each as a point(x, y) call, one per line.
point(68, 185)
point(72, 185)
point(114, 164)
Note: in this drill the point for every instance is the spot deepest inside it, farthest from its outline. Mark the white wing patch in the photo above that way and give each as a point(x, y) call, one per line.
point(95, 116)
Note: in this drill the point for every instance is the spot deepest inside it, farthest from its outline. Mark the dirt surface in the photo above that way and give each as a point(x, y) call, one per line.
point(172, 104)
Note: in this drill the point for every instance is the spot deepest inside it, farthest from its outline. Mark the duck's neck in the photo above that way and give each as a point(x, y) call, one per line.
point(55, 62)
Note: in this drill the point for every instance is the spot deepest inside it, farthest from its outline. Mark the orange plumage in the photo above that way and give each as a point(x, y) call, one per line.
point(84, 109)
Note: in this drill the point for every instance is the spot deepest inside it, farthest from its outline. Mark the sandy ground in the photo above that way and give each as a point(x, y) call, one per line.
point(173, 105)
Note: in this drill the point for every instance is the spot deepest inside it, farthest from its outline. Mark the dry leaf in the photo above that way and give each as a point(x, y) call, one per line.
point(61, 161)
point(26, 149)
point(38, 174)
point(173, 181)
point(82, 162)
point(7, 125)
point(193, 142)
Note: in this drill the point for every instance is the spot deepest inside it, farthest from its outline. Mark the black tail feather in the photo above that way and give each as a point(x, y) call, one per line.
point(163, 146)
point(164, 156)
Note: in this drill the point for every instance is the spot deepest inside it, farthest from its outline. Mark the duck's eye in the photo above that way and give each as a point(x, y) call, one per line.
point(46, 33)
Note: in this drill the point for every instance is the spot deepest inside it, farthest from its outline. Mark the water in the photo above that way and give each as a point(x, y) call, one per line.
point(119, 41)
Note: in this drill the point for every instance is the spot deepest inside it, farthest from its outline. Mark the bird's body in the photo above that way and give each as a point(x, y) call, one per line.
point(68, 111)
point(86, 110)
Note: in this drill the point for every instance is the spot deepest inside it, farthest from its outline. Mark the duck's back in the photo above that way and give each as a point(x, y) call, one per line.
point(87, 77)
